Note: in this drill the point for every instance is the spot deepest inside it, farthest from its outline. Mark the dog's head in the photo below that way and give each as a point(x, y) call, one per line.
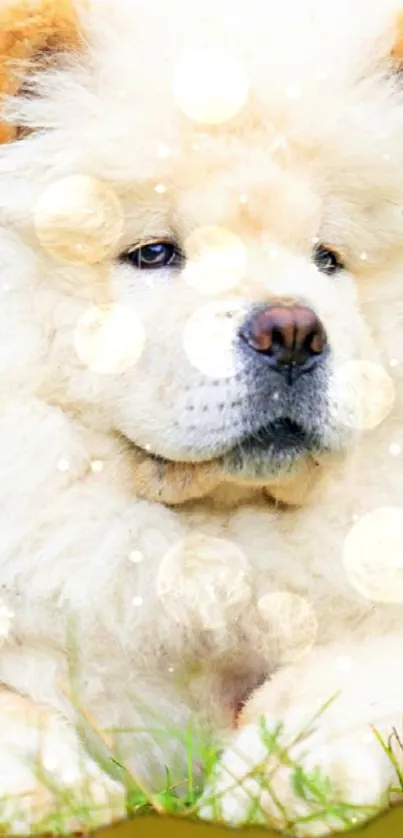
point(209, 204)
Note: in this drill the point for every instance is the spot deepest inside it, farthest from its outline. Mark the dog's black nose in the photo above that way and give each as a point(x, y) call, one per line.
point(290, 337)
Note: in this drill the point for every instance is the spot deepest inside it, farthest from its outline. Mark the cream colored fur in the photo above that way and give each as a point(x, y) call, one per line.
point(68, 529)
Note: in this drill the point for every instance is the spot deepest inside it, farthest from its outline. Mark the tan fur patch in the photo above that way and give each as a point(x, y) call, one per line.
point(397, 50)
point(30, 29)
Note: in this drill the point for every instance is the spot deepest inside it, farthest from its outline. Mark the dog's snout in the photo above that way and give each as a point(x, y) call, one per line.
point(288, 336)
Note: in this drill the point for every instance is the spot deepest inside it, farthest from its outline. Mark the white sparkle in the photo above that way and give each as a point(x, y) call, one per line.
point(395, 449)
point(136, 556)
point(6, 616)
point(315, 240)
point(243, 199)
point(137, 601)
point(364, 256)
point(160, 188)
point(63, 465)
point(97, 466)
point(51, 763)
point(163, 151)
point(344, 663)
point(292, 91)
point(71, 776)
point(147, 447)
point(393, 362)
point(170, 669)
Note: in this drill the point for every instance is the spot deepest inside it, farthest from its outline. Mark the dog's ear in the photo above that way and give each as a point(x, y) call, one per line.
point(30, 32)
point(396, 53)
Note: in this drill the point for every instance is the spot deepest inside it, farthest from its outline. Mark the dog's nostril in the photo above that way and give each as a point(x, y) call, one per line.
point(286, 335)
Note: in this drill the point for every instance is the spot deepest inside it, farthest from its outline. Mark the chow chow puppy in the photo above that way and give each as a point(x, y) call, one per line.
point(201, 364)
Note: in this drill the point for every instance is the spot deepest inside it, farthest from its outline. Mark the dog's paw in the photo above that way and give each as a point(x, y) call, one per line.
point(48, 784)
point(312, 784)
point(75, 799)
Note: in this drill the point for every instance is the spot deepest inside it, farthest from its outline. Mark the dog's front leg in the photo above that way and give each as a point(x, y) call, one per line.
point(299, 759)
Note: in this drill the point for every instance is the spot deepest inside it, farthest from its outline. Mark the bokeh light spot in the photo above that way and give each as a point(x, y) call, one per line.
point(210, 86)
point(344, 663)
point(78, 219)
point(203, 579)
point(136, 556)
point(109, 339)
point(6, 618)
point(293, 91)
point(291, 621)
point(373, 555)
point(216, 260)
point(370, 391)
point(137, 601)
point(209, 335)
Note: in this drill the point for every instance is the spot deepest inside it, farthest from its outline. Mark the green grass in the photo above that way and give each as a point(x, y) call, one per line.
point(72, 813)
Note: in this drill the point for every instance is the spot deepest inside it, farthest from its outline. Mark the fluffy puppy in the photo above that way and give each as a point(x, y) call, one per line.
point(201, 344)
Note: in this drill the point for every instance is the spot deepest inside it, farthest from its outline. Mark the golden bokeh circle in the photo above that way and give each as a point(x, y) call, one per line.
point(290, 621)
point(373, 555)
point(204, 579)
point(209, 335)
point(78, 219)
point(216, 260)
point(370, 390)
point(109, 339)
point(210, 85)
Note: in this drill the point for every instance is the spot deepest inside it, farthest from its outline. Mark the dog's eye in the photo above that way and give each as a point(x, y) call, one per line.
point(153, 255)
point(326, 260)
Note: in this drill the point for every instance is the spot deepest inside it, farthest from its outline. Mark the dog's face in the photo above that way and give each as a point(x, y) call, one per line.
point(258, 258)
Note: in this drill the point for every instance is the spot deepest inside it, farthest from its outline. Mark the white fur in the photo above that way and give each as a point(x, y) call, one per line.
point(67, 533)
